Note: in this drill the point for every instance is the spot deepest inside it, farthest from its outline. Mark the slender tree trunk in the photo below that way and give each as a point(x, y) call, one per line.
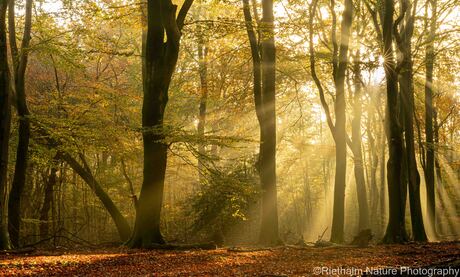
point(382, 200)
point(340, 63)
point(5, 122)
point(84, 172)
point(130, 184)
point(160, 62)
point(396, 226)
point(374, 158)
point(429, 165)
point(356, 138)
point(340, 125)
point(203, 68)
point(20, 58)
point(49, 189)
point(436, 144)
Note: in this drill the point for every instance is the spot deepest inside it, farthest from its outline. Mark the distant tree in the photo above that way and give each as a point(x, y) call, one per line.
point(48, 198)
point(85, 173)
point(203, 72)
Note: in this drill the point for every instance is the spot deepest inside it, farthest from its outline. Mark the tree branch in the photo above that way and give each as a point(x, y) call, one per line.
point(313, 71)
point(183, 13)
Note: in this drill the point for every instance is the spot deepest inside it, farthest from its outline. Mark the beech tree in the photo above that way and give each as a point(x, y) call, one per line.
point(396, 231)
point(5, 121)
point(20, 59)
point(340, 63)
point(263, 62)
point(160, 61)
point(123, 128)
point(403, 36)
point(429, 114)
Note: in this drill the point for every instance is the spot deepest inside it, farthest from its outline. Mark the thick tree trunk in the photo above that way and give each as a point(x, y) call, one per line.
point(267, 160)
point(395, 231)
point(20, 59)
point(356, 138)
point(83, 171)
point(5, 122)
point(264, 100)
point(160, 62)
point(429, 164)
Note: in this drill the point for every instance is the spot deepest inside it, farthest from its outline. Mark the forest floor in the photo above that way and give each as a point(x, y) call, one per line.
point(282, 261)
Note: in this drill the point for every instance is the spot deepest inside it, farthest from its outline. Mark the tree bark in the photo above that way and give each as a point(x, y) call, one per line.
point(340, 125)
point(407, 96)
point(203, 69)
point(372, 127)
point(160, 62)
point(20, 58)
point(382, 197)
point(340, 63)
point(47, 201)
point(395, 231)
point(429, 164)
point(263, 66)
point(267, 157)
point(356, 138)
point(5, 123)
point(437, 166)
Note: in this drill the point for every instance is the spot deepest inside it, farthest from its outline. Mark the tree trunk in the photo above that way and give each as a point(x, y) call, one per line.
point(267, 160)
point(20, 59)
point(429, 164)
point(263, 61)
point(395, 231)
point(382, 197)
point(203, 68)
point(436, 144)
point(160, 62)
point(374, 158)
point(340, 125)
point(83, 171)
point(356, 138)
point(340, 63)
point(49, 189)
point(5, 122)
point(407, 96)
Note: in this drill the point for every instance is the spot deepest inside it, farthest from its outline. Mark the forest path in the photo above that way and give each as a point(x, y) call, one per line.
point(285, 261)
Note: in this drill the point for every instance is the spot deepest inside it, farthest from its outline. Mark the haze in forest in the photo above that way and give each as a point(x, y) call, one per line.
point(146, 123)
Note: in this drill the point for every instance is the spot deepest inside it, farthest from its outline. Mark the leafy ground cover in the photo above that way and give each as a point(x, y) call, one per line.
point(282, 261)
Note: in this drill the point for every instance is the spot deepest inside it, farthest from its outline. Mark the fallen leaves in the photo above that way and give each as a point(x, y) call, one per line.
point(284, 261)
